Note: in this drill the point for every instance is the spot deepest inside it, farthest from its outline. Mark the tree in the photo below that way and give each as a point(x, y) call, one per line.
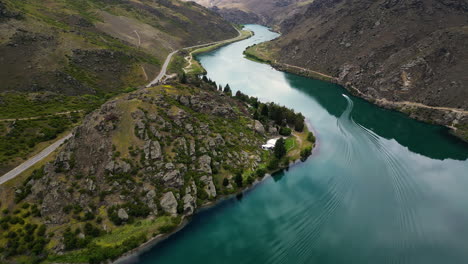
point(285, 131)
point(238, 179)
point(204, 78)
point(183, 78)
point(256, 116)
point(305, 153)
point(311, 137)
point(220, 88)
point(225, 182)
point(264, 111)
point(299, 123)
point(280, 149)
point(227, 89)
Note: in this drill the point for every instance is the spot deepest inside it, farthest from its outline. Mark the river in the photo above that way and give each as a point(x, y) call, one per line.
point(379, 187)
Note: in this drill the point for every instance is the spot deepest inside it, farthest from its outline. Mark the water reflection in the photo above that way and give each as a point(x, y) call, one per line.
point(432, 141)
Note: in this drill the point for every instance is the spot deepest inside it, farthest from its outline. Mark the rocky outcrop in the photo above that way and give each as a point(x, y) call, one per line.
point(209, 187)
point(169, 203)
point(167, 157)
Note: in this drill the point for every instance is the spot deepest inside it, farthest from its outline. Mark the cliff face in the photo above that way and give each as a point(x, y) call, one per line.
point(388, 49)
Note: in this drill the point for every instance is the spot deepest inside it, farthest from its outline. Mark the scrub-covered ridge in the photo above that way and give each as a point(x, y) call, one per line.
point(139, 165)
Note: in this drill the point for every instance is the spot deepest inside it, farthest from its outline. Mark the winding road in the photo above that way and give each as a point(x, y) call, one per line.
point(47, 151)
point(162, 73)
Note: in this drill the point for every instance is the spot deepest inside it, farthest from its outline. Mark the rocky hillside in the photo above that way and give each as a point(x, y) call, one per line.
point(388, 50)
point(59, 56)
point(96, 46)
point(136, 167)
point(266, 12)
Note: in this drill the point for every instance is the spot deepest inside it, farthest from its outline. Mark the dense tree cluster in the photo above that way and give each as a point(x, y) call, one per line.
point(23, 238)
point(281, 115)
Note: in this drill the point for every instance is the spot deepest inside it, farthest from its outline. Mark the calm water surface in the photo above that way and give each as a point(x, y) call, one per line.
point(379, 188)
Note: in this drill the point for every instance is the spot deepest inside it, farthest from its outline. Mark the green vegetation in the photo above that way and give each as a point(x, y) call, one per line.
point(238, 162)
point(24, 105)
point(280, 148)
point(20, 138)
point(462, 132)
point(282, 115)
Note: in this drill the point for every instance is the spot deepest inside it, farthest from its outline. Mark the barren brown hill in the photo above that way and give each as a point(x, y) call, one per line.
point(96, 46)
point(388, 50)
point(266, 12)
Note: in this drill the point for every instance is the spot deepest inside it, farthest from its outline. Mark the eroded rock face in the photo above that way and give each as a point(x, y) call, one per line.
point(173, 179)
point(209, 185)
point(189, 204)
point(169, 203)
point(152, 150)
point(205, 164)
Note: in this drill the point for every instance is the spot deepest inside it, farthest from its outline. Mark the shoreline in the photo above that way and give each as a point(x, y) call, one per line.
point(423, 113)
point(132, 256)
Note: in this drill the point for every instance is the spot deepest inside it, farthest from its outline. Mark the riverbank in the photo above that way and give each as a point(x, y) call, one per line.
point(454, 119)
point(194, 66)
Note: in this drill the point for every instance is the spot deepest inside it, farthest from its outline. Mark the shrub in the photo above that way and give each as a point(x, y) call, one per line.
point(238, 179)
point(311, 137)
point(260, 172)
point(273, 164)
point(285, 131)
point(305, 153)
point(225, 182)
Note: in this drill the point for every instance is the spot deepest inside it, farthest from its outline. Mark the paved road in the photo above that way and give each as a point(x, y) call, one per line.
point(162, 73)
point(30, 162)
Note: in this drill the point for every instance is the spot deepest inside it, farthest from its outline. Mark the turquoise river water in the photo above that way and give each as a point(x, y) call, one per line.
point(379, 188)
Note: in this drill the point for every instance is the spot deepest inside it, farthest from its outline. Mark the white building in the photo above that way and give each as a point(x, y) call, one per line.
point(270, 144)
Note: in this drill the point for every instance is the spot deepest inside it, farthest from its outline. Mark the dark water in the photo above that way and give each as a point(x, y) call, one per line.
point(380, 188)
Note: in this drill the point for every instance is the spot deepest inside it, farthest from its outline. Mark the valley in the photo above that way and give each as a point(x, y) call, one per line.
point(234, 131)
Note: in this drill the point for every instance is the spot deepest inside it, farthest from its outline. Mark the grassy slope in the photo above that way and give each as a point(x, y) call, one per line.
point(72, 55)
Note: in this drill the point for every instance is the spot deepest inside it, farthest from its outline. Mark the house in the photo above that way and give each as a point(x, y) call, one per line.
point(270, 144)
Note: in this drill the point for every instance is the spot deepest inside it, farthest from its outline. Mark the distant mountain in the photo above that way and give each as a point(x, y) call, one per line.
point(388, 50)
point(96, 46)
point(266, 12)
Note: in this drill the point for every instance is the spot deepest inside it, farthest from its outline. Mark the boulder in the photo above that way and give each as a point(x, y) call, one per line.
point(122, 214)
point(169, 203)
point(149, 198)
point(258, 127)
point(273, 130)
